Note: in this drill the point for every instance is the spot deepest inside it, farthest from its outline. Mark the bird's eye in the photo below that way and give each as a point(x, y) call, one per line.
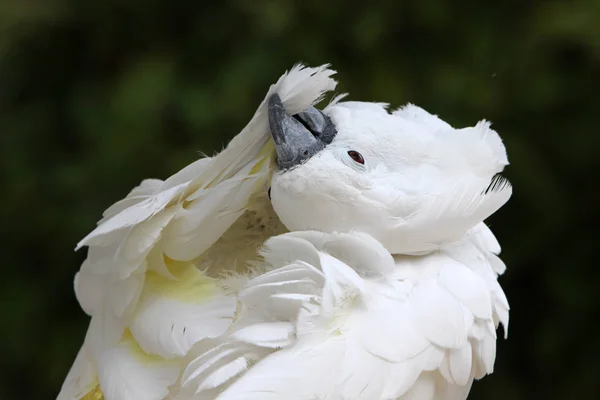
point(356, 156)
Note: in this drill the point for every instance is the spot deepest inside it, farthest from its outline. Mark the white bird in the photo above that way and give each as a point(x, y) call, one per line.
point(385, 289)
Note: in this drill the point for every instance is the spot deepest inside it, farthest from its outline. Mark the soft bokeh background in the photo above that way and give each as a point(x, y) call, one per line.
point(96, 95)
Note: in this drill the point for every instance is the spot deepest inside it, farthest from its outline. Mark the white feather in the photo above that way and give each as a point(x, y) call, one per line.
point(460, 364)
point(131, 216)
point(172, 315)
point(497, 264)
point(437, 315)
point(423, 389)
point(484, 239)
point(126, 373)
point(467, 287)
point(81, 378)
point(147, 188)
point(268, 334)
point(281, 250)
point(411, 112)
point(89, 290)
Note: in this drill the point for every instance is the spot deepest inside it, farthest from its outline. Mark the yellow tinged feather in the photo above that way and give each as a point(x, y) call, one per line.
point(136, 351)
point(211, 183)
point(94, 394)
point(267, 151)
point(258, 166)
point(190, 284)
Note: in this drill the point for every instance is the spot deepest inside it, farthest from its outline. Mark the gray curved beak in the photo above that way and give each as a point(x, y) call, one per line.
point(298, 137)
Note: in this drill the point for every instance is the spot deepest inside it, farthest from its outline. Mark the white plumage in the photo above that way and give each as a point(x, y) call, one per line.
point(384, 332)
point(385, 288)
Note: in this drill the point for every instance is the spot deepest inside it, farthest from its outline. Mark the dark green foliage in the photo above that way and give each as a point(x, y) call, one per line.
point(96, 95)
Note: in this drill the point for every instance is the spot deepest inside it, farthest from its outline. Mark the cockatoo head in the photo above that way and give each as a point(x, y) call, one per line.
point(407, 178)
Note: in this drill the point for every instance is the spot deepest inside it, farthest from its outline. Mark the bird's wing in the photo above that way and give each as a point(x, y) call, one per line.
point(151, 279)
point(339, 317)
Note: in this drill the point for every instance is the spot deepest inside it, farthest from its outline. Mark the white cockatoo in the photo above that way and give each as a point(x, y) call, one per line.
point(335, 254)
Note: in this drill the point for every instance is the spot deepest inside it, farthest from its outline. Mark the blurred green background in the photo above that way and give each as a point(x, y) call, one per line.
point(96, 95)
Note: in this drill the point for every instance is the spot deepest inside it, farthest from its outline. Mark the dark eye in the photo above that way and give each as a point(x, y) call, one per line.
point(356, 156)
